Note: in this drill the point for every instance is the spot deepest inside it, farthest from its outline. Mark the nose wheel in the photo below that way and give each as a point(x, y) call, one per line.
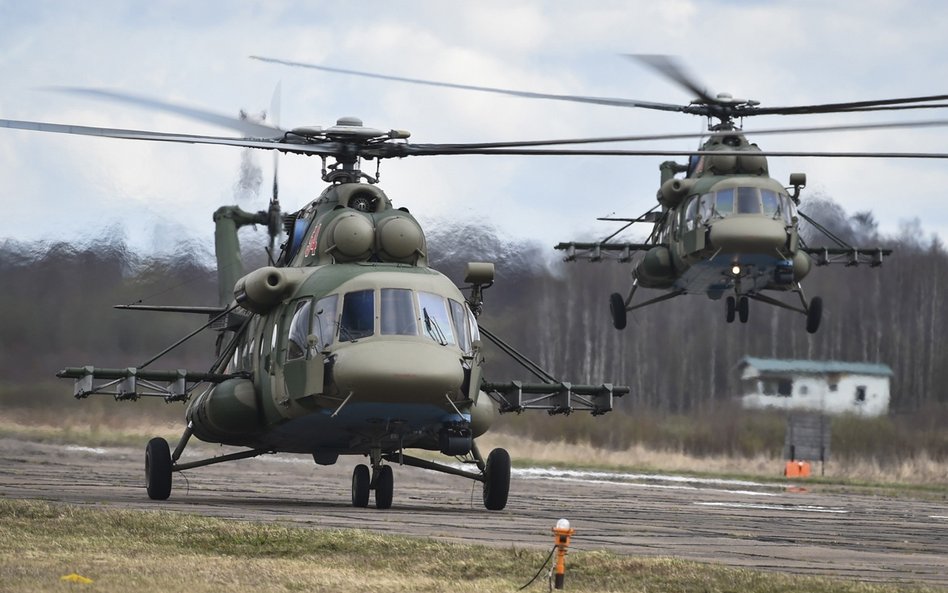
point(739, 307)
point(382, 481)
point(384, 487)
point(383, 484)
point(743, 309)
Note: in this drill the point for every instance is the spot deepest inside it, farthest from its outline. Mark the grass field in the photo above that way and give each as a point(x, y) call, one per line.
point(156, 552)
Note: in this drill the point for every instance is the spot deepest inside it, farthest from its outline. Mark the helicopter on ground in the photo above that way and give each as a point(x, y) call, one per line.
point(726, 227)
point(348, 343)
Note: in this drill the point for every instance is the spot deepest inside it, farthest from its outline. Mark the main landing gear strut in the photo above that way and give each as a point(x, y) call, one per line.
point(494, 474)
point(160, 463)
point(618, 306)
point(737, 306)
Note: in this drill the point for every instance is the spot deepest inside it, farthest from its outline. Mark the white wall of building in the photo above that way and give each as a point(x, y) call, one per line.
point(865, 395)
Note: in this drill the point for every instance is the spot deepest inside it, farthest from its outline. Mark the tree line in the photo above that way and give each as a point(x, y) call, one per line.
point(678, 356)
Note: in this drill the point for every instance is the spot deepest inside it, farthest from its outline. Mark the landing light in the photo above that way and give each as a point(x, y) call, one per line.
point(736, 270)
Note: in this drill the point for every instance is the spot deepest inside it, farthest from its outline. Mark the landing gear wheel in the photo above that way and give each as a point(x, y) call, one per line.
point(814, 315)
point(743, 309)
point(731, 308)
point(617, 310)
point(360, 486)
point(384, 488)
point(158, 469)
point(497, 480)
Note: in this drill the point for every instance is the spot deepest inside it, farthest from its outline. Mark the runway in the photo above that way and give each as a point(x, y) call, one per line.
point(866, 537)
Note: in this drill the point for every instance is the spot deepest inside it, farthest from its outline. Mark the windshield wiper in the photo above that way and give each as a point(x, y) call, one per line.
point(431, 326)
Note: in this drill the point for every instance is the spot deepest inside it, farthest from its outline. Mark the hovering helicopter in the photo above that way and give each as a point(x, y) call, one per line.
point(726, 227)
point(348, 343)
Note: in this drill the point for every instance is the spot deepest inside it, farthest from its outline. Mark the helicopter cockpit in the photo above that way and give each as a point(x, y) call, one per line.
point(401, 312)
point(723, 203)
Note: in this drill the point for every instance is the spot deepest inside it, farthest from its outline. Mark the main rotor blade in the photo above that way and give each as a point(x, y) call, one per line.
point(872, 105)
point(243, 126)
point(672, 70)
point(324, 148)
point(390, 150)
point(690, 135)
point(433, 150)
point(668, 68)
point(614, 102)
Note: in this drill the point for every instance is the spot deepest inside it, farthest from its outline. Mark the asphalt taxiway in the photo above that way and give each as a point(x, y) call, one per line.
point(767, 526)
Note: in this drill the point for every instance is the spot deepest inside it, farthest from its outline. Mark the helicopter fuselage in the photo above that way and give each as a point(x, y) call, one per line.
point(726, 227)
point(358, 356)
point(727, 233)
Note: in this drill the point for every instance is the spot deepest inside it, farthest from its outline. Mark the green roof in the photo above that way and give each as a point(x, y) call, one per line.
point(815, 367)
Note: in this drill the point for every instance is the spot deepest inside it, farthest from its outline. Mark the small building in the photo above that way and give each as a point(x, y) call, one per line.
point(829, 387)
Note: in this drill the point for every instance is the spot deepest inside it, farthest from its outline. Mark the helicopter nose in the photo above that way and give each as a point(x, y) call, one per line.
point(398, 371)
point(748, 234)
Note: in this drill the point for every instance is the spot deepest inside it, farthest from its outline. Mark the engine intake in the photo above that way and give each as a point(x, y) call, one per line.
point(261, 290)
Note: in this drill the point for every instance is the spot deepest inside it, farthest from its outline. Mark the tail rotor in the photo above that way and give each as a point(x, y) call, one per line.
point(274, 216)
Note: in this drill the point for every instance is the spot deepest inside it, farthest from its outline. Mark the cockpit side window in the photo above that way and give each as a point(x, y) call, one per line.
point(690, 210)
point(461, 328)
point(787, 208)
point(274, 336)
point(705, 207)
point(435, 319)
point(358, 315)
point(299, 331)
point(748, 200)
point(472, 323)
point(398, 313)
point(324, 322)
point(249, 354)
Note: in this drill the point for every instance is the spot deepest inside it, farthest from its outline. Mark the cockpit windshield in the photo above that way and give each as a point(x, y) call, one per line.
point(770, 202)
point(401, 312)
point(435, 319)
point(748, 200)
point(398, 313)
point(739, 200)
point(358, 315)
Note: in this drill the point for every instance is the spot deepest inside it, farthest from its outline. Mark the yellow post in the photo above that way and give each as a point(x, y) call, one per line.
point(561, 536)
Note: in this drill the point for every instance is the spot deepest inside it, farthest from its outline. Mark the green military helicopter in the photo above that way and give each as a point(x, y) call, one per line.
point(348, 343)
point(726, 227)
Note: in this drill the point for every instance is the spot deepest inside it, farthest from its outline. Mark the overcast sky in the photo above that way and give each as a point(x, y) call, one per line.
point(196, 53)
